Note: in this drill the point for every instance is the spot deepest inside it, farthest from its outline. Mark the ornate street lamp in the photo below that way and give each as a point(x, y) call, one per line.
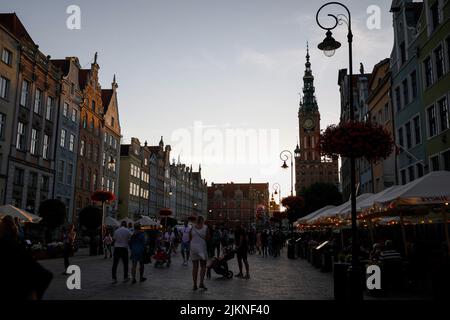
point(277, 191)
point(285, 156)
point(329, 47)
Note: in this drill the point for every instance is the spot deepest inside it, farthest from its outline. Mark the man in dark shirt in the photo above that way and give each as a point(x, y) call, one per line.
point(241, 251)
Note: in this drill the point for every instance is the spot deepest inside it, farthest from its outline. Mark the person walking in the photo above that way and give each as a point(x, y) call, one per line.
point(258, 243)
point(264, 243)
point(68, 240)
point(217, 235)
point(242, 251)
point(185, 242)
point(107, 243)
point(199, 252)
point(137, 246)
point(121, 241)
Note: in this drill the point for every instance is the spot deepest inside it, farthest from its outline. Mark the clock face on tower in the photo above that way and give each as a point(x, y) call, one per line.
point(308, 124)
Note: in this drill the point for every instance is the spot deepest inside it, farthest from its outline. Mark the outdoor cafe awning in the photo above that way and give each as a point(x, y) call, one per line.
point(314, 214)
point(432, 189)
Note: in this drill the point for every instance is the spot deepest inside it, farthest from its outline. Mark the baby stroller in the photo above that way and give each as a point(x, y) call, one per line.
point(220, 265)
point(161, 257)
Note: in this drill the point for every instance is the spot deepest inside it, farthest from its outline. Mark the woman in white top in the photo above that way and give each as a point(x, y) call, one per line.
point(199, 253)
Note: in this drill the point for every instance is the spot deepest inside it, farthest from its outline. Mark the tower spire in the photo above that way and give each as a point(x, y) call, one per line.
point(308, 102)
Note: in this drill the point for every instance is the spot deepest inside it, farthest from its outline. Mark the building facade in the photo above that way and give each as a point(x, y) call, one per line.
point(90, 138)
point(31, 165)
point(310, 166)
point(235, 204)
point(10, 29)
point(134, 180)
point(111, 145)
point(67, 134)
point(434, 61)
point(380, 112)
point(363, 168)
point(188, 191)
point(406, 92)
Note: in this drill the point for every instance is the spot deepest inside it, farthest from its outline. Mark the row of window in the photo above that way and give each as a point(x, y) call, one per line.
point(438, 117)
point(38, 100)
point(134, 189)
point(409, 135)
point(67, 113)
point(437, 162)
point(434, 65)
point(21, 141)
point(407, 92)
point(89, 151)
point(7, 56)
point(111, 140)
point(111, 164)
point(90, 182)
point(63, 140)
point(33, 183)
point(64, 173)
point(135, 171)
point(109, 186)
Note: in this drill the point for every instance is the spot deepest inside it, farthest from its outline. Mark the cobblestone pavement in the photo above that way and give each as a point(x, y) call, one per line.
point(271, 278)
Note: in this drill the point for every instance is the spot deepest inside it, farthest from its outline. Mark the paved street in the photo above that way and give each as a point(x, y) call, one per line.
point(275, 279)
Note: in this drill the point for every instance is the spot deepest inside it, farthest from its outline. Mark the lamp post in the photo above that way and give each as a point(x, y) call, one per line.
point(329, 47)
point(277, 191)
point(285, 156)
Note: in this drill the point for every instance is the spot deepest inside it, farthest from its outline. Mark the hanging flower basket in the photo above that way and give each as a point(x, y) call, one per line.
point(103, 196)
point(165, 212)
point(356, 139)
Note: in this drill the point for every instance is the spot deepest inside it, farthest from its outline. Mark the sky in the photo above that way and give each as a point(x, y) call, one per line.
point(219, 80)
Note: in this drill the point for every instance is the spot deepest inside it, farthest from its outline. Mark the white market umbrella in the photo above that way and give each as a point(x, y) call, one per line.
point(22, 215)
point(147, 221)
point(111, 222)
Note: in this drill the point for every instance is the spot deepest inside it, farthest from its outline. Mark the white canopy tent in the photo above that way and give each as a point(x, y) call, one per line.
point(347, 209)
point(314, 214)
point(432, 189)
point(327, 213)
point(24, 216)
point(146, 221)
point(111, 222)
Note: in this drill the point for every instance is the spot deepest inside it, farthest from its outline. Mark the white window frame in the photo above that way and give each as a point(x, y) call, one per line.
point(65, 109)
point(34, 142)
point(20, 145)
point(45, 146)
point(5, 83)
point(72, 142)
point(24, 93)
point(49, 107)
point(7, 56)
point(62, 141)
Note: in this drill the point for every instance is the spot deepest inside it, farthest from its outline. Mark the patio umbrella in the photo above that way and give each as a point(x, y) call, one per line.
point(111, 222)
point(147, 221)
point(9, 210)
